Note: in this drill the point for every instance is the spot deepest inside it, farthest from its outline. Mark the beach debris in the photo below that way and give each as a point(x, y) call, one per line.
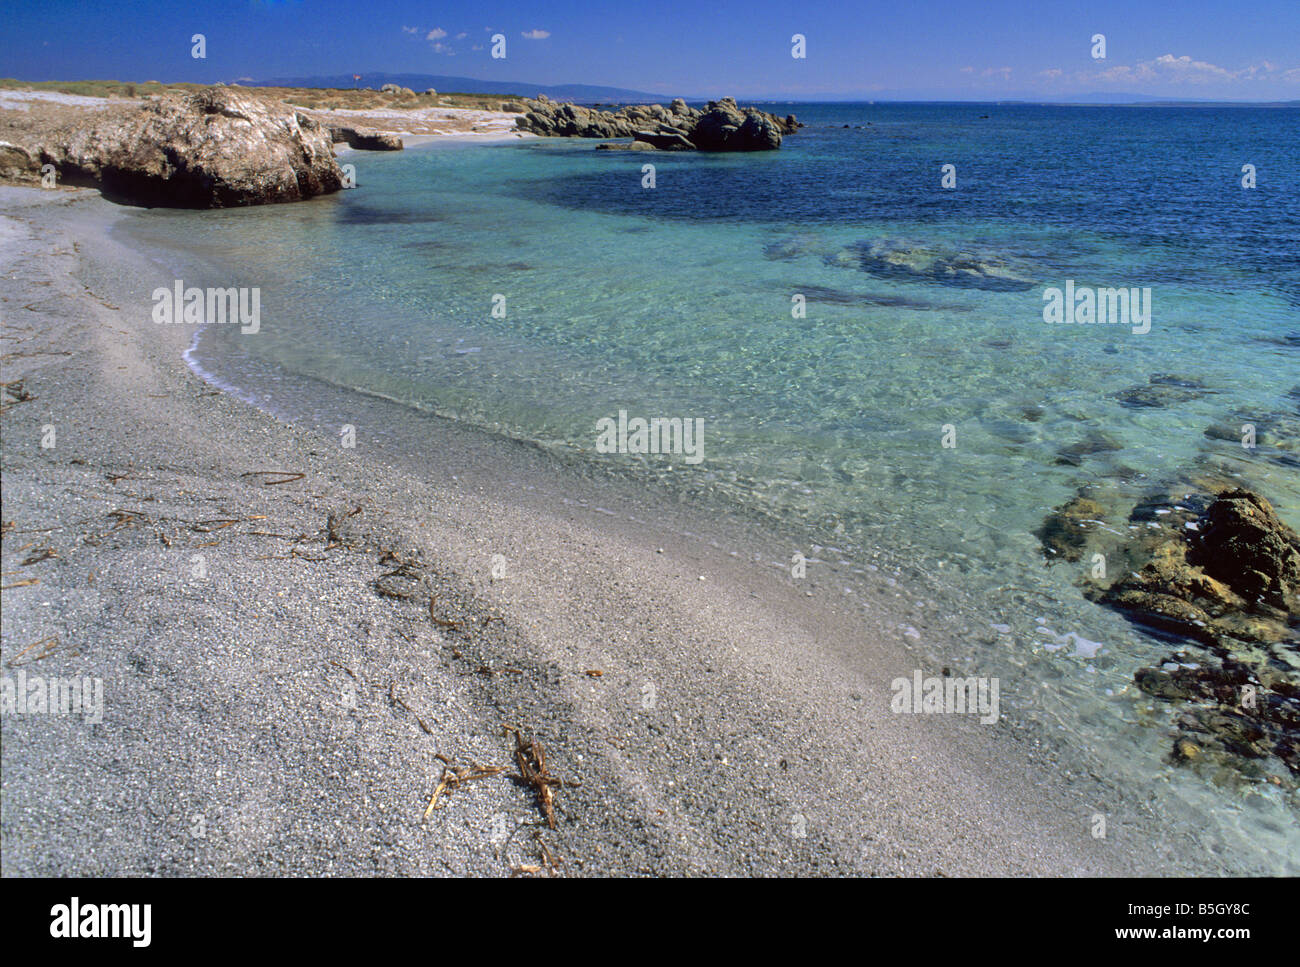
point(402, 582)
point(455, 775)
point(16, 392)
point(333, 523)
point(533, 772)
point(442, 622)
point(549, 861)
point(286, 476)
point(397, 700)
point(47, 646)
point(38, 555)
point(125, 518)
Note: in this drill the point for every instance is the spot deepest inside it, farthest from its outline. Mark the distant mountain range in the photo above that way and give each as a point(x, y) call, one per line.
point(468, 85)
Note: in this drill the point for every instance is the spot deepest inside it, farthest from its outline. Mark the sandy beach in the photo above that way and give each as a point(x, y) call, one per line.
point(297, 640)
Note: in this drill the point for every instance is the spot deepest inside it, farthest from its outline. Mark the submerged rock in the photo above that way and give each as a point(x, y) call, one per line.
point(626, 146)
point(216, 148)
point(1233, 718)
point(1161, 391)
point(1094, 443)
point(1067, 532)
point(897, 259)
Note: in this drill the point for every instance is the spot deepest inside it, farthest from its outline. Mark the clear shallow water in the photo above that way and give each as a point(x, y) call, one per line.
point(676, 301)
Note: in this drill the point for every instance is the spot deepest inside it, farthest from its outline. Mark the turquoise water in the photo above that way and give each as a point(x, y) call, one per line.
point(676, 301)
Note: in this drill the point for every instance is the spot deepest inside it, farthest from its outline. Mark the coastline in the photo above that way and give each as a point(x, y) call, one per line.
point(222, 693)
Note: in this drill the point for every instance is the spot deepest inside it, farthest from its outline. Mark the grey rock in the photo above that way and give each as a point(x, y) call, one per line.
point(216, 148)
point(723, 127)
point(366, 140)
point(666, 141)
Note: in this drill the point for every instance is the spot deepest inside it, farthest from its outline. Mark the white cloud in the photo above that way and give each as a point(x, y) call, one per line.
point(1193, 69)
point(410, 30)
point(1051, 73)
point(536, 34)
point(1184, 70)
point(462, 35)
point(437, 33)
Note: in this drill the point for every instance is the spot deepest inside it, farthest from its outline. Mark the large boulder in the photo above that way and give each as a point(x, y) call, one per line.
point(1243, 543)
point(725, 127)
point(366, 140)
point(1233, 575)
point(17, 163)
point(216, 148)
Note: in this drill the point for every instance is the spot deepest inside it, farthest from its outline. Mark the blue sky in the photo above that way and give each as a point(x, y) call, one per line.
point(986, 49)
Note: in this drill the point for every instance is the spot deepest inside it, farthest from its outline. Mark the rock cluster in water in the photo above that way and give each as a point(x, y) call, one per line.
point(216, 148)
point(1221, 572)
point(720, 126)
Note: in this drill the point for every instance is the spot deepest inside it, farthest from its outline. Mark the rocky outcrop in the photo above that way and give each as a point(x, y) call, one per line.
point(724, 127)
point(1235, 713)
point(1242, 542)
point(1221, 572)
point(366, 140)
point(18, 164)
point(1233, 575)
point(216, 148)
point(720, 126)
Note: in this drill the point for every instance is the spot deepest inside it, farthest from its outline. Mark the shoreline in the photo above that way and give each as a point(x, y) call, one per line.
point(766, 707)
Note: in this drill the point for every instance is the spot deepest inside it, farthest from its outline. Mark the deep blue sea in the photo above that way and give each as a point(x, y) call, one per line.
point(924, 315)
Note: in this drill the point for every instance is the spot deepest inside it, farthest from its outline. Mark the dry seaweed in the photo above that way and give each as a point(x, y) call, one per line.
point(397, 700)
point(454, 776)
point(47, 644)
point(289, 476)
point(533, 772)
